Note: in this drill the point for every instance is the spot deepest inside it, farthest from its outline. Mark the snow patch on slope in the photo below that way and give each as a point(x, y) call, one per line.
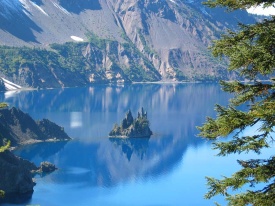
point(76, 38)
point(173, 1)
point(10, 86)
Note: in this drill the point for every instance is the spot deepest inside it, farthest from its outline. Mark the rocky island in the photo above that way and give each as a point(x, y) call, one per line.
point(130, 127)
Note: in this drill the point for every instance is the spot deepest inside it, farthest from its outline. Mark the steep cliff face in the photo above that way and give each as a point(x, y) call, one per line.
point(19, 128)
point(143, 40)
point(179, 34)
point(77, 64)
point(15, 174)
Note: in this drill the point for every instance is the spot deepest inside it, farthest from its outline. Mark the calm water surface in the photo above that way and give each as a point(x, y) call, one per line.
point(167, 169)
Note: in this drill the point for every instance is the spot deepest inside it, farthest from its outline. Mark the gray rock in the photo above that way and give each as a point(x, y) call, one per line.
point(167, 40)
point(46, 167)
point(19, 128)
point(15, 173)
point(131, 127)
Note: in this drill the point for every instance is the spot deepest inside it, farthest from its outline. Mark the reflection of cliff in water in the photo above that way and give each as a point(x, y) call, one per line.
point(110, 162)
point(116, 98)
point(85, 108)
point(40, 151)
point(94, 160)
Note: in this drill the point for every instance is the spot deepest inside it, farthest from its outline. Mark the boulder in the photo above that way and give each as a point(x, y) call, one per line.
point(46, 167)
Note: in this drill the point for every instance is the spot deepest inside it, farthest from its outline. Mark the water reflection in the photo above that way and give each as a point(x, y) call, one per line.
point(130, 146)
point(93, 160)
point(41, 151)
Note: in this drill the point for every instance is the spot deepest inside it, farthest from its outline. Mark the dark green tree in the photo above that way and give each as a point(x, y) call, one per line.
point(2, 193)
point(251, 52)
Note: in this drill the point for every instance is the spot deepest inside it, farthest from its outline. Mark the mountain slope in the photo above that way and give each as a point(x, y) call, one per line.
point(168, 39)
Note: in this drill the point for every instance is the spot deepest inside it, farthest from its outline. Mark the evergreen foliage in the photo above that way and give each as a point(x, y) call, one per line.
point(2, 193)
point(3, 105)
point(251, 52)
point(2, 149)
point(70, 58)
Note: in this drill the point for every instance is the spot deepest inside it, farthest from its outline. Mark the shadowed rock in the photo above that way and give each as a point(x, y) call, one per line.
point(17, 177)
point(19, 128)
point(46, 167)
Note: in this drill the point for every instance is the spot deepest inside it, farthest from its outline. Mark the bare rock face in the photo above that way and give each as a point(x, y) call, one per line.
point(51, 130)
point(15, 173)
point(19, 128)
point(17, 177)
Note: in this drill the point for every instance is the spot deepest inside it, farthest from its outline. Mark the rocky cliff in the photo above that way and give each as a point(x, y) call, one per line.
point(119, 41)
point(16, 176)
point(130, 127)
point(19, 128)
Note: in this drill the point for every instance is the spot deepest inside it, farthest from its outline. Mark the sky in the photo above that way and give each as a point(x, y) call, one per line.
point(261, 11)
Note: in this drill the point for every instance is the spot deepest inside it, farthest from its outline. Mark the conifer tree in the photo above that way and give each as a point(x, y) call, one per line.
point(2, 193)
point(251, 52)
point(2, 149)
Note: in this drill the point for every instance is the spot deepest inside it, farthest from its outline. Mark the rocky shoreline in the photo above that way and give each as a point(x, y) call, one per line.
point(19, 129)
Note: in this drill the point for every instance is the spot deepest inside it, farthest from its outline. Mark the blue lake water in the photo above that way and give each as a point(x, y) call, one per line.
point(167, 169)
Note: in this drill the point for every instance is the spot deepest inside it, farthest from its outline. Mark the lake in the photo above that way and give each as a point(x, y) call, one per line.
point(167, 169)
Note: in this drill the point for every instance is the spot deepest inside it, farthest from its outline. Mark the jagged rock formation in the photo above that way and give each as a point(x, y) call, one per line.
point(19, 128)
point(123, 41)
point(131, 127)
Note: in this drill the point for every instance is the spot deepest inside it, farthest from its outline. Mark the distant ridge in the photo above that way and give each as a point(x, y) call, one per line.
point(72, 43)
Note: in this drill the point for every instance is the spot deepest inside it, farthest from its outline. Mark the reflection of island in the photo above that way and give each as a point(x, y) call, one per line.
point(129, 146)
point(130, 127)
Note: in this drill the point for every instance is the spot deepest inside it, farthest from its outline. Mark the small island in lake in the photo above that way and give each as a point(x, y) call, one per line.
point(130, 127)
